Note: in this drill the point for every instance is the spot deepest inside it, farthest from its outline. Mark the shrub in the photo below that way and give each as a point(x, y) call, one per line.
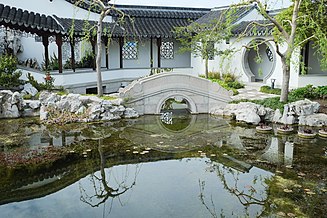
point(47, 85)
point(269, 90)
point(304, 92)
point(322, 91)
point(235, 85)
point(213, 75)
point(53, 63)
point(229, 77)
point(9, 76)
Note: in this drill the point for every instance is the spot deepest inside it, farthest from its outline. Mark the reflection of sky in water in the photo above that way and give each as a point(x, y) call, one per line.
point(162, 189)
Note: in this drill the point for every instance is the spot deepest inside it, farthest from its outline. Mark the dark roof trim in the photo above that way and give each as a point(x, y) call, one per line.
point(28, 21)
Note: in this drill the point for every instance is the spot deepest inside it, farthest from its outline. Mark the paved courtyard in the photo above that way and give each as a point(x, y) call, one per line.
point(251, 92)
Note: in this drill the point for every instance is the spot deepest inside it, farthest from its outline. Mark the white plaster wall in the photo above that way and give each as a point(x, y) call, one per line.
point(33, 49)
point(61, 8)
point(114, 55)
point(234, 63)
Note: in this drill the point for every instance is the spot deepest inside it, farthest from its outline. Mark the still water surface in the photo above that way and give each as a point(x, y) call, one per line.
point(186, 166)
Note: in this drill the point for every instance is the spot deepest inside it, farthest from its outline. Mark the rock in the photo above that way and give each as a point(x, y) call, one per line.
point(81, 110)
point(75, 102)
point(277, 116)
point(248, 116)
point(47, 98)
point(43, 113)
point(117, 101)
point(130, 113)
point(313, 120)
point(107, 116)
point(29, 89)
point(85, 99)
point(11, 111)
point(304, 107)
point(33, 104)
point(29, 112)
point(270, 113)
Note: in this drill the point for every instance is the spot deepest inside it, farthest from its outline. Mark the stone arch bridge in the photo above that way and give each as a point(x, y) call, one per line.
point(147, 95)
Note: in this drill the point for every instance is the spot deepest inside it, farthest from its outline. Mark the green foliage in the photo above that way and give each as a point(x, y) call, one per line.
point(228, 81)
point(213, 75)
point(27, 96)
point(86, 61)
point(295, 95)
point(200, 39)
point(9, 76)
point(310, 92)
point(53, 63)
point(47, 85)
point(269, 90)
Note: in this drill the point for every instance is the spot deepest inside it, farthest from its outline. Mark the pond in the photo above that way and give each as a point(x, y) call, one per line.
point(159, 166)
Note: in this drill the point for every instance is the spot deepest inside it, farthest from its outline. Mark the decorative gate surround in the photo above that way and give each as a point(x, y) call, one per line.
point(148, 94)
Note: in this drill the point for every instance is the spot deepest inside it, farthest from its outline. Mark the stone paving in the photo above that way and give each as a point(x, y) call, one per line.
point(251, 92)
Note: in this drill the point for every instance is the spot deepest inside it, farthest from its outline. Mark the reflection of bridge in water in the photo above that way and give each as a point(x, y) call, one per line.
point(166, 143)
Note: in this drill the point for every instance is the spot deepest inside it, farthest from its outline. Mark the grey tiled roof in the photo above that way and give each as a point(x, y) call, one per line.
point(248, 28)
point(152, 21)
point(28, 21)
point(80, 26)
point(234, 13)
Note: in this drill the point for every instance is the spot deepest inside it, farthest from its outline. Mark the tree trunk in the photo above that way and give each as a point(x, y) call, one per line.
point(286, 80)
point(98, 58)
point(206, 68)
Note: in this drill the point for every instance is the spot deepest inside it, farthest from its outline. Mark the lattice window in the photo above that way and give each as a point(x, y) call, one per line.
point(66, 53)
point(130, 50)
point(270, 55)
point(167, 50)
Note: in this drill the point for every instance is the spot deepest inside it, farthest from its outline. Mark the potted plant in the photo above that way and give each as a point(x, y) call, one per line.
point(263, 128)
point(285, 129)
point(306, 134)
point(323, 132)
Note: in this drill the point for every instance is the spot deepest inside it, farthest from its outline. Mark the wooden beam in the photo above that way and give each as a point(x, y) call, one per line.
point(159, 52)
point(59, 45)
point(106, 41)
point(45, 41)
point(121, 44)
point(92, 40)
point(151, 52)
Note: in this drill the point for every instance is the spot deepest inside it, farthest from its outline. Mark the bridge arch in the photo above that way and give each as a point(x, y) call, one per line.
point(178, 96)
point(148, 94)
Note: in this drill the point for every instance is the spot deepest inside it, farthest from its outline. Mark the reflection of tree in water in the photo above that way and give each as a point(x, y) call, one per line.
point(102, 190)
point(250, 195)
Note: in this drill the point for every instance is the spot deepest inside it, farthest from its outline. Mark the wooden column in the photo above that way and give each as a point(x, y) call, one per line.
point(121, 44)
point(92, 39)
point(151, 53)
point(159, 52)
point(59, 45)
point(106, 41)
point(72, 51)
point(45, 41)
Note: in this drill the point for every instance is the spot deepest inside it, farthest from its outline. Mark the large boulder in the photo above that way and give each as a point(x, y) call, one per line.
point(313, 120)
point(130, 113)
point(245, 111)
point(304, 107)
point(30, 89)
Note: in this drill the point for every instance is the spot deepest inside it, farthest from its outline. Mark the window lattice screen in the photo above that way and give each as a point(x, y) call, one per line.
point(130, 50)
point(167, 50)
point(270, 55)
